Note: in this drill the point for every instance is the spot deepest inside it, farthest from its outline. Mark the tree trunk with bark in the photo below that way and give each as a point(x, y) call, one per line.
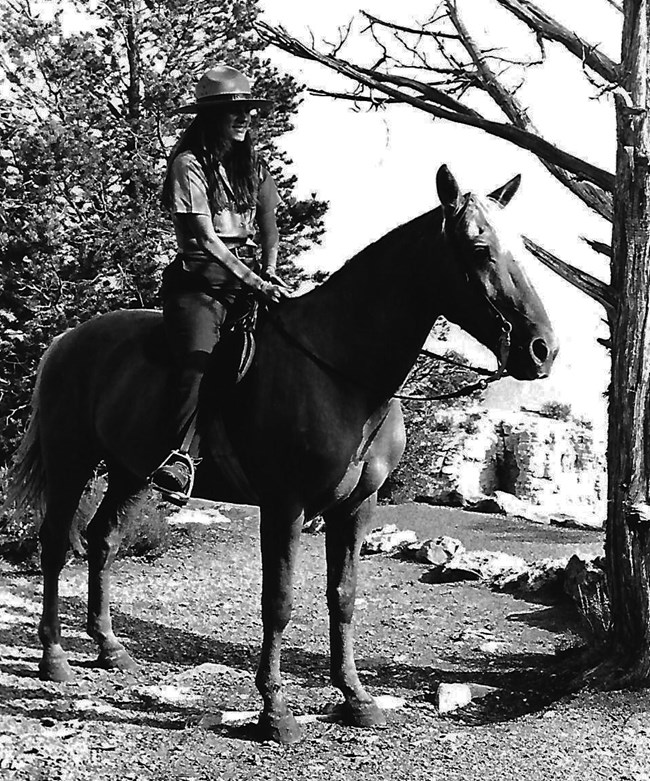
point(628, 521)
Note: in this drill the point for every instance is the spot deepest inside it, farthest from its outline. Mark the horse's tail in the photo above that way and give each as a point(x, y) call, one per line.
point(26, 477)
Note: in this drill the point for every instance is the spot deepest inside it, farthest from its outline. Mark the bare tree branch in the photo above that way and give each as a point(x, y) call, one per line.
point(596, 199)
point(521, 138)
point(598, 246)
point(420, 31)
point(588, 284)
point(547, 27)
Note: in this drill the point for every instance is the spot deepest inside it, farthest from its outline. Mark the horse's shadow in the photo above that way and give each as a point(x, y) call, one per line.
point(522, 683)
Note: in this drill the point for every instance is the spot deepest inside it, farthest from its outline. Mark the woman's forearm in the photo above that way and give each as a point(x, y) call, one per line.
point(269, 240)
point(214, 247)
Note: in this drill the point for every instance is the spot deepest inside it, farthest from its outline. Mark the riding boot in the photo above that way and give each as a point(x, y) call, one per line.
point(174, 478)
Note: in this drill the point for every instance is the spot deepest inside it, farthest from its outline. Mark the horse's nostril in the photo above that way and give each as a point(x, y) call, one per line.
point(539, 350)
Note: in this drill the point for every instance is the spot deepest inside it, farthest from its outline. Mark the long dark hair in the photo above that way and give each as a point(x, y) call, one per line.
point(204, 138)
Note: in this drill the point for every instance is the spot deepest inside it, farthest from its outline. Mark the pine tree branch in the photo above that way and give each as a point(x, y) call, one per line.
point(546, 26)
point(585, 171)
point(588, 284)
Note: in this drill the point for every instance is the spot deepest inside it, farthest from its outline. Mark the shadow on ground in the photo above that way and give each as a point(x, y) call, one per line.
point(523, 683)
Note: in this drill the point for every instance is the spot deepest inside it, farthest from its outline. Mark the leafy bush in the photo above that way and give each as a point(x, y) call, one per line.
point(145, 532)
point(556, 410)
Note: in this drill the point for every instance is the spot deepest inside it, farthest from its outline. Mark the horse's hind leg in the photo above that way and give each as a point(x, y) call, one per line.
point(345, 531)
point(104, 533)
point(64, 492)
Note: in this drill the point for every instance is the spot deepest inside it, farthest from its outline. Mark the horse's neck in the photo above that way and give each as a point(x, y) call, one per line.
point(370, 319)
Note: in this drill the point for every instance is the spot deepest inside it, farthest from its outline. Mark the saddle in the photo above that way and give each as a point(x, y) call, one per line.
point(235, 350)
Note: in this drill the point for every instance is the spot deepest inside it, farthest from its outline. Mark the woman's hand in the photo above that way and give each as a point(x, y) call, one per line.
point(271, 293)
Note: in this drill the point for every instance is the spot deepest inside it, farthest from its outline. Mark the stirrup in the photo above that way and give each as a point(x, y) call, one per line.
point(179, 498)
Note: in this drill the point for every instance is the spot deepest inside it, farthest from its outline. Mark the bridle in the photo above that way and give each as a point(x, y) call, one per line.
point(503, 351)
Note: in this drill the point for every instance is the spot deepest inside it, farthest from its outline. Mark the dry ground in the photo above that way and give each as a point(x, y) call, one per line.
point(191, 618)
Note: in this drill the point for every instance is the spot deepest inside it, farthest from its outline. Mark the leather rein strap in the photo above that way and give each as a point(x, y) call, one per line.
point(503, 349)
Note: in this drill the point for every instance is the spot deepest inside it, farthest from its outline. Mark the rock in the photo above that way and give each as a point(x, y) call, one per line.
point(487, 504)
point(210, 670)
point(439, 551)
point(452, 696)
point(493, 647)
point(452, 498)
point(166, 694)
point(517, 508)
point(491, 565)
point(450, 574)
point(314, 525)
point(480, 690)
point(582, 521)
point(199, 516)
point(388, 539)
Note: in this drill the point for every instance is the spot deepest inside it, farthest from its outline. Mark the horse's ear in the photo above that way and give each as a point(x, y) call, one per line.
point(448, 190)
point(503, 195)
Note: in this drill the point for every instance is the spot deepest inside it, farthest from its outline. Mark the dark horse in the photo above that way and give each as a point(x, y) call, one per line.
point(313, 426)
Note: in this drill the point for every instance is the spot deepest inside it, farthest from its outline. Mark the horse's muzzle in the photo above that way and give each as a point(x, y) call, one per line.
point(542, 351)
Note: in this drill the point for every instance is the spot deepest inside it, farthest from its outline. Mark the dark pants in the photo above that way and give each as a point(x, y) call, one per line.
point(193, 314)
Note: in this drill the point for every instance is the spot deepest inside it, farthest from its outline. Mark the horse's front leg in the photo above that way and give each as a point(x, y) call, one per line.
point(280, 539)
point(345, 531)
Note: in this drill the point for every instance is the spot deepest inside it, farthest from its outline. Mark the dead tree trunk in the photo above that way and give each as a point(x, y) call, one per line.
point(628, 521)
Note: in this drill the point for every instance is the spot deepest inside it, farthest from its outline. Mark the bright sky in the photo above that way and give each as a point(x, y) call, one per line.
point(377, 170)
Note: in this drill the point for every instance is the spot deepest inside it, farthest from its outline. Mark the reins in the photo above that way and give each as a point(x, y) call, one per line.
point(480, 385)
point(502, 358)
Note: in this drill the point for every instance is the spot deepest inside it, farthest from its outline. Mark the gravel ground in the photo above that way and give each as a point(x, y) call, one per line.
point(191, 618)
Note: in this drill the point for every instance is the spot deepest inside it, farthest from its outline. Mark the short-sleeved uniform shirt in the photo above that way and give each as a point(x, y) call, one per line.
point(189, 195)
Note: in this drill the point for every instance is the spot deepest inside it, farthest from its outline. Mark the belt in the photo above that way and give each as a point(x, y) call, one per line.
point(241, 250)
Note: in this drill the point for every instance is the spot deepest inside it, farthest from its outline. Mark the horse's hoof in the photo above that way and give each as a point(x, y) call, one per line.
point(55, 669)
point(283, 729)
point(117, 659)
point(362, 714)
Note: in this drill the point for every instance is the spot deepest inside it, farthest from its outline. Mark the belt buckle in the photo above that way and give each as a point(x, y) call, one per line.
point(246, 251)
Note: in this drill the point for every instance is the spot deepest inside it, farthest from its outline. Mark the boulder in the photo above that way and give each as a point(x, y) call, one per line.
point(452, 696)
point(486, 504)
point(583, 520)
point(388, 539)
point(439, 551)
point(451, 498)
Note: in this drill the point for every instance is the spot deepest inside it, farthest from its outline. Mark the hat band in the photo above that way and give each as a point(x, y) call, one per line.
point(226, 96)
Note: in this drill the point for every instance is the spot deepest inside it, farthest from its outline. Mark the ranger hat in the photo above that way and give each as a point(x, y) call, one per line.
point(223, 86)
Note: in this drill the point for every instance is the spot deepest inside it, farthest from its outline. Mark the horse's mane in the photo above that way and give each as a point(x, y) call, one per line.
point(410, 233)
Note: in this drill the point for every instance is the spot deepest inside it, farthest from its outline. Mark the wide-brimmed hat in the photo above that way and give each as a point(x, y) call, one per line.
point(223, 86)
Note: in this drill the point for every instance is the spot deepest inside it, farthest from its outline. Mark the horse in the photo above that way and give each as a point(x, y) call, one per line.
point(313, 428)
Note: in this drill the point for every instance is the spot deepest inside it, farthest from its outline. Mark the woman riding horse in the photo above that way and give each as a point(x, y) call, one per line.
point(216, 189)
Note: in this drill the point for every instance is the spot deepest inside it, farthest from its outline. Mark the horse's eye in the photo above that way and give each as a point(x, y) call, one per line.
point(484, 256)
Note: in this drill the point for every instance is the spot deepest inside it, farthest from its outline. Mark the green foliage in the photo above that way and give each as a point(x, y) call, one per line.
point(86, 124)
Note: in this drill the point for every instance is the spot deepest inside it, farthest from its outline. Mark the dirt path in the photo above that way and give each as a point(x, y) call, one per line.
point(191, 618)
